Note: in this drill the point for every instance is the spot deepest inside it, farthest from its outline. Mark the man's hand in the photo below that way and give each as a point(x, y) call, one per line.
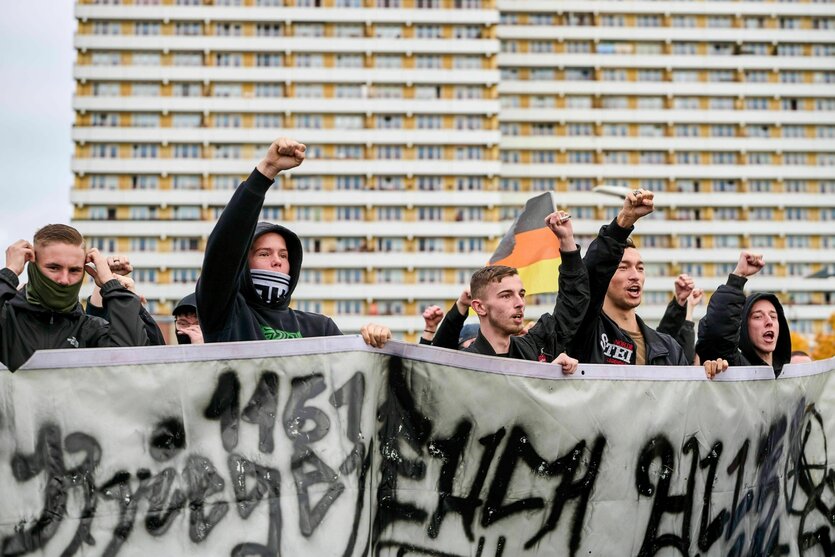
point(638, 203)
point(560, 224)
point(98, 268)
point(684, 286)
point(120, 265)
point(283, 154)
point(695, 297)
point(749, 264)
point(715, 367)
point(432, 315)
point(193, 332)
point(569, 364)
point(464, 302)
point(18, 254)
point(375, 335)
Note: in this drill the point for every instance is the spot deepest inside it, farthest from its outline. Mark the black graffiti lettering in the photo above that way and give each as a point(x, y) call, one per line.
point(399, 420)
point(519, 447)
point(451, 451)
point(296, 414)
point(309, 518)
point(83, 477)
point(738, 508)
point(808, 479)
point(203, 481)
point(568, 489)
point(766, 538)
point(261, 410)
point(167, 439)
point(162, 510)
point(118, 489)
point(49, 458)
point(711, 530)
point(659, 447)
point(267, 484)
point(225, 406)
point(352, 395)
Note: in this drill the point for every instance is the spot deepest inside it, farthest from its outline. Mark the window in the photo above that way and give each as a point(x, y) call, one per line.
point(228, 120)
point(349, 213)
point(428, 61)
point(188, 182)
point(268, 30)
point(104, 182)
point(349, 151)
point(186, 120)
point(430, 276)
point(543, 184)
point(142, 212)
point(186, 151)
point(229, 59)
point(389, 213)
point(430, 245)
point(106, 58)
point(349, 307)
point(308, 60)
point(349, 61)
point(104, 151)
point(349, 276)
point(145, 89)
point(428, 121)
point(349, 182)
point(187, 212)
point(428, 31)
point(348, 122)
point(268, 60)
point(429, 183)
point(310, 121)
point(264, 90)
point(145, 151)
point(106, 90)
point(144, 182)
point(468, 183)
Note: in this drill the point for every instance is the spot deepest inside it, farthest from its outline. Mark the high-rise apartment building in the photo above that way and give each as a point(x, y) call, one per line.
point(430, 122)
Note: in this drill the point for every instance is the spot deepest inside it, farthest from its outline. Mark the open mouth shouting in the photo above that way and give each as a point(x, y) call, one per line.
point(633, 291)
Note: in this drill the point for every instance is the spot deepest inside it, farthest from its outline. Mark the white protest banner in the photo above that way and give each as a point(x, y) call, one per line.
point(325, 447)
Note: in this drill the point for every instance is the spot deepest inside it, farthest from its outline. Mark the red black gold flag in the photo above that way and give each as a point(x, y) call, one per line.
point(531, 247)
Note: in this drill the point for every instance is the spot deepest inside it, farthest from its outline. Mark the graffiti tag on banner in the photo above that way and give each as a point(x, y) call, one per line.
point(326, 447)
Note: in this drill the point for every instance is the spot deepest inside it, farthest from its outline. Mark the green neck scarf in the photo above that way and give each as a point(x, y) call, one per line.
point(43, 291)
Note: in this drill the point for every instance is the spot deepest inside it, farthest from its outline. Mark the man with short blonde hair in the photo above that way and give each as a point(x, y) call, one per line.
point(45, 313)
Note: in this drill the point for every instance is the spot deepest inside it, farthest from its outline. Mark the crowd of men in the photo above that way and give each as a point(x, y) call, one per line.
point(251, 269)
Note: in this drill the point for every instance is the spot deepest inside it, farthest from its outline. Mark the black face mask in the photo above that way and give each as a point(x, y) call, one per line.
point(271, 286)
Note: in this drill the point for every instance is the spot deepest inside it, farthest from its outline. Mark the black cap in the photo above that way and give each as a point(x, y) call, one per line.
point(187, 304)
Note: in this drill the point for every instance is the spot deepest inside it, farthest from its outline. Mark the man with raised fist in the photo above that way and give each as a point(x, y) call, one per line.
point(46, 314)
point(745, 330)
point(251, 268)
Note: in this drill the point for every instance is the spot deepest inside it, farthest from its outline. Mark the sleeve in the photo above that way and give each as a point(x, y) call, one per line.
point(449, 329)
point(719, 328)
point(123, 309)
point(8, 285)
point(331, 329)
point(425, 342)
point(687, 339)
point(155, 335)
point(553, 333)
point(573, 298)
point(673, 319)
point(226, 252)
point(601, 261)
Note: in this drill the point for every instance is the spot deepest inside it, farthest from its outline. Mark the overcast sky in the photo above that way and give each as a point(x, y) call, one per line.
point(36, 58)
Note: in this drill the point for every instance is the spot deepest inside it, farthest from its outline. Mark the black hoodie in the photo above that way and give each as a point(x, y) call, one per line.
point(723, 331)
point(228, 307)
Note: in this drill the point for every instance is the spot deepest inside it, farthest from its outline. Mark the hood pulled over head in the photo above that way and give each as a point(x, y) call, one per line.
point(783, 348)
point(294, 253)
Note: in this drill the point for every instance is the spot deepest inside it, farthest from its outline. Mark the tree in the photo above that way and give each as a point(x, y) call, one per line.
point(825, 342)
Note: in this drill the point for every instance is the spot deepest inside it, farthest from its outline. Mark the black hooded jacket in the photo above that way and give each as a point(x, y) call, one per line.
point(26, 328)
point(553, 332)
point(599, 339)
point(228, 307)
point(723, 331)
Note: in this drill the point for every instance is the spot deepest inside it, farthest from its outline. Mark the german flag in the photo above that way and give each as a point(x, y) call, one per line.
point(531, 247)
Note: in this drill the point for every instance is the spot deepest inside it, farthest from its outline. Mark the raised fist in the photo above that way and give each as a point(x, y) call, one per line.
point(749, 264)
point(638, 203)
point(560, 224)
point(684, 286)
point(283, 154)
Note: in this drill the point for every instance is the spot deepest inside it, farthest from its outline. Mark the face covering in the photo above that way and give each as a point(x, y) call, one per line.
point(45, 292)
point(271, 286)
